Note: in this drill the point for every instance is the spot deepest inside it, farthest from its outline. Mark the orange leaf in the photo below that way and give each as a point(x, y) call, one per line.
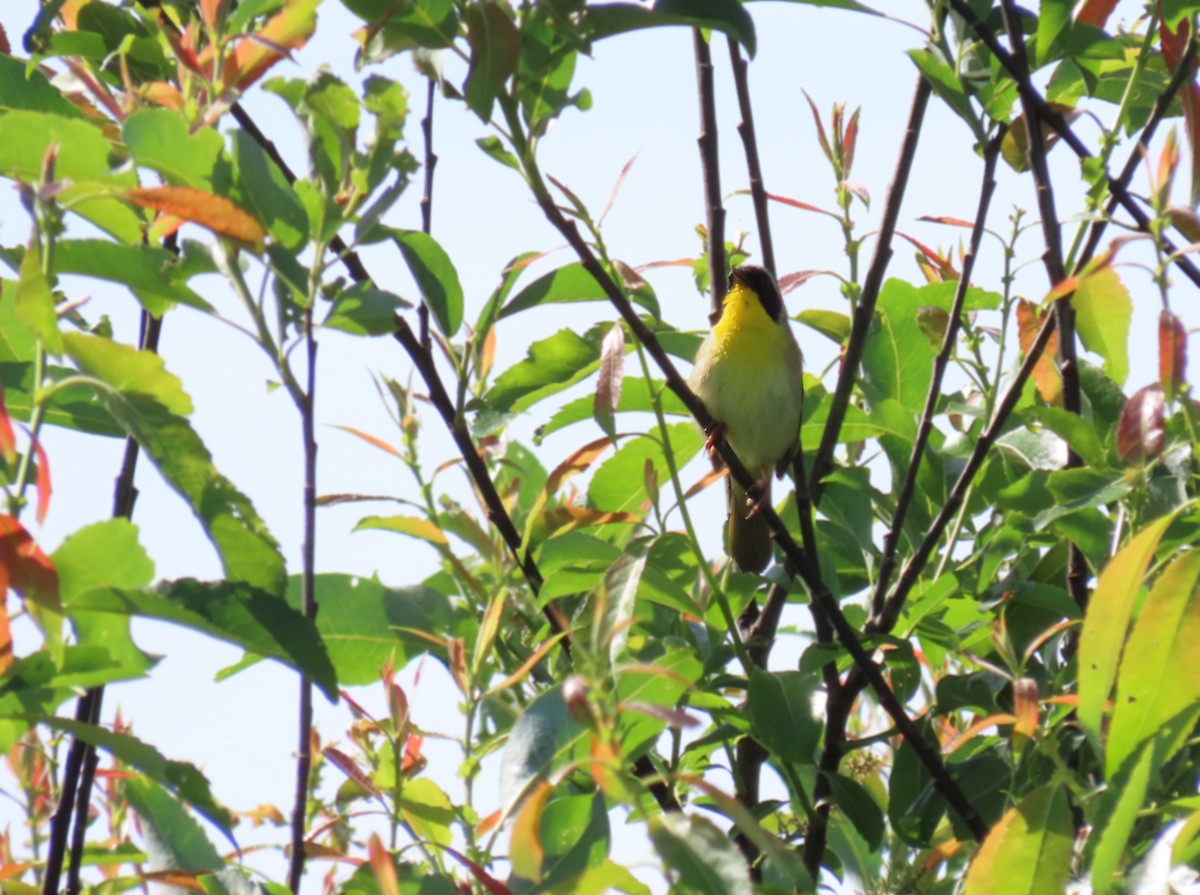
point(412, 753)
point(288, 30)
point(525, 849)
point(208, 12)
point(372, 440)
point(183, 879)
point(317, 852)
point(576, 463)
point(1045, 373)
point(382, 866)
point(1025, 708)
point(796, 203)
point(25, 567)
point(42, 482)
point(6, 643)
point(1172, 353)
point(976, 728)
point(216, 213)
point(561, 520)
point(164, 94)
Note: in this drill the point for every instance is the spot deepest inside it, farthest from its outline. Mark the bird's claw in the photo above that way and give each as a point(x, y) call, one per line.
point(756, 497)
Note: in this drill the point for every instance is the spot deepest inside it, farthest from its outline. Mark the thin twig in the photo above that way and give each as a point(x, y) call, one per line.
point(308, 603)
point(710, 162)
point(865, 312)
point(904, 496)
point(1182, 75)
point(431, 161)
point(1052, 117)
point(758, 190)
point(808, 573)
point(75, 792)
point(912, 569)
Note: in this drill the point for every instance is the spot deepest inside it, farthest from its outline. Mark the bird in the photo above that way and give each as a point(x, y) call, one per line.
point(748, 373)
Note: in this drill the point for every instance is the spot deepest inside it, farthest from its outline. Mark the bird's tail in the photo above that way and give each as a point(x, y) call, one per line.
point(749, 539)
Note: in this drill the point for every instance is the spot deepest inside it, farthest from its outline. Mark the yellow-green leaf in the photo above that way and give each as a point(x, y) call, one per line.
point(1029, 851)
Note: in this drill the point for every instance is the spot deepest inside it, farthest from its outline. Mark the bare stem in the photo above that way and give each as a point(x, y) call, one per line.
point(710, 162)
point(864, 313)
point(758, 190)
point(907, 490)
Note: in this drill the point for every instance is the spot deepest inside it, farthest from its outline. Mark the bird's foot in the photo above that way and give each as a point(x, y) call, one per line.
point(716, 436)
point(758, 495)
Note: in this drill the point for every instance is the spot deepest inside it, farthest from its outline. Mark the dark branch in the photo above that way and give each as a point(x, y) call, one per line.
point(907, 490)
point(912, 569)
point(710, 162)
point(758, 190)
point(431, 161)
point(1055, 120)
point(1077, 570)
point(865, 312)
point(308, 605)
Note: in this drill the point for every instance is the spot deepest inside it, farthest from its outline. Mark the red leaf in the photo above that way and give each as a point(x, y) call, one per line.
point(208, 12)
point(412, 753)
point(612, 197)
point(5, 47)
point(1045, 373)
point(350, 768)
point(859, 189)
point(820, 127)
point(43, 482)
point(1174, 44)
point(8, 438)
point(489, 882)
point(1172, 353)
point(791, 281)
point(1141, 433)
point(612, 374)
point(941, 219)
point(796, 203)
point(398, 706)
point(1095, 12)
point(944, 267)
point(288, 30)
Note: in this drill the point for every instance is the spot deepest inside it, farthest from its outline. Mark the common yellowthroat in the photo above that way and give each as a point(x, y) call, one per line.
point(748, 374)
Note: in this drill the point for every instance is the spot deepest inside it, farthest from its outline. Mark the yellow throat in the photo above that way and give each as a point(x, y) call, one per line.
point(745, 332)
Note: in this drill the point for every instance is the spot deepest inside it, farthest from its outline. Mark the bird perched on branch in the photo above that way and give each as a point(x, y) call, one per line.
point(748, 374)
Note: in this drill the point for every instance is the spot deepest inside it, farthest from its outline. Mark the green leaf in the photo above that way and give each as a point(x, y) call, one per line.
point(860, 807)
point(104, 555)
point(75, 407)
point(1103, 311)
point(1159, 677)
point(495, 45)
point(152, 274)
point(1073, 429)
point(84, 158)
point(366, 625)
point(1120, 805)
point(427, 810)
point(494, 149)
point(151, 405)
point(174, 837)
point(435, 275)
point(539, 741)
point(703, 858)
point(619, 484)
point(160, 140)
point(183, 780)
point(550, 365)
point(574, 833)
point(897, 362)
point(364, 310)
point(610, 629)
point(232, 611)
point(570, 283)
point(945, 83)
point(24, 87)
point(1107, 619)
point(262, 189)
point(833, 325)
point(1054, 16)
point(781, 714)
point(635, 396)
point(35, 305)
point(1029, 851)
point(606, 19)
